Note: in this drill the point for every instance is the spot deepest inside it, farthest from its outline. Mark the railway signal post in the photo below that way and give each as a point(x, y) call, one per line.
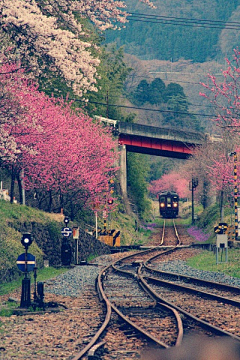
point(66, 251)
point(26, 263)
point(76, 238)
point(222, 242)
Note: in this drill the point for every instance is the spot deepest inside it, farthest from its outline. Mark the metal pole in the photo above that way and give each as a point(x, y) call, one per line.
point(105, 226)
point(26, 286)
point(235, 195)
point(96, 224)
point(192, 202)
point(76, 251)
point(23, 187)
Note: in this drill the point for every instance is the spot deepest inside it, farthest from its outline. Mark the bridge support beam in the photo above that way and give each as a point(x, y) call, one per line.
point(123, 170)
point(123, 178)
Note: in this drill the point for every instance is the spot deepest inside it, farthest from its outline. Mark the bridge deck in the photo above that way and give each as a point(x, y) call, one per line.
point(158, 141)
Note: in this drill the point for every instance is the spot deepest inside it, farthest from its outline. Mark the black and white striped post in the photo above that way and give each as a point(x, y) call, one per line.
point(234, 154)
point(235, 195)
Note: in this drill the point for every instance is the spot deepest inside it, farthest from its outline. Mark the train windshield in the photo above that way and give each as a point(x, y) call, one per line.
point(162, 199)
point(169, 201)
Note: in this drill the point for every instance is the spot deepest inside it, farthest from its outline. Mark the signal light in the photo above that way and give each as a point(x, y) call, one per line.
point(66, 220)
point(110, 201)
point(26, 240)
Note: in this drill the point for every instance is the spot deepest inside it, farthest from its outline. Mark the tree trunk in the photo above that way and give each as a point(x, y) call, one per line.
point(13, 177)
point(50, 201)
point(221, 206)
point(20, 189)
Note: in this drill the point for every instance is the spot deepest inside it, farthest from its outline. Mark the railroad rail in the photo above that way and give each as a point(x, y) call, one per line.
point(126, 287)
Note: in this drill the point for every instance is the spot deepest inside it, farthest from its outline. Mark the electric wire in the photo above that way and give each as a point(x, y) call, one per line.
point(145, 109)
point(171, 20)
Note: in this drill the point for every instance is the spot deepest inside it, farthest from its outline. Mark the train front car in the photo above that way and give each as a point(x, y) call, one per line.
point(168, 204)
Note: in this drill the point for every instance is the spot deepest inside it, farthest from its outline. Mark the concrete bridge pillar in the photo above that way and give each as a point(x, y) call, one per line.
point(123, 169)
point(123, 178)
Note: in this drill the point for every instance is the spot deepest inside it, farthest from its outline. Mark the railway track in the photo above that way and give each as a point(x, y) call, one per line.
point(153, 309)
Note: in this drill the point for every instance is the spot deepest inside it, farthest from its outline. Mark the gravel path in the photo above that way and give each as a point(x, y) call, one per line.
point(50, 335)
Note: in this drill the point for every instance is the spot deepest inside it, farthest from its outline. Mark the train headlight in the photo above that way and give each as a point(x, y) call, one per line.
point(175, 205)
point(162, 205)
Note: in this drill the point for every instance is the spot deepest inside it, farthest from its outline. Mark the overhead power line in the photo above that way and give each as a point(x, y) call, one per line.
point(145, 109)
point(171, 20)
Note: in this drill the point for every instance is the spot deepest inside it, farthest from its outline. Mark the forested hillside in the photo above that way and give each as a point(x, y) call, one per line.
point(180, 29)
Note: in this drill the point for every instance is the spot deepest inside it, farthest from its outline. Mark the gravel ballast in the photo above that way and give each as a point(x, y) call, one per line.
point(61, 335)
point(73, 282)
point(179, 266)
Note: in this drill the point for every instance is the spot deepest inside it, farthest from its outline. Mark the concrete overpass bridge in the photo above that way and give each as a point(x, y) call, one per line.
point(159, 141)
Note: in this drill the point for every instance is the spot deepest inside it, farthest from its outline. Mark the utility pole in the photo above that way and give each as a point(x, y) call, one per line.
point(107, 110)
point(192, 186)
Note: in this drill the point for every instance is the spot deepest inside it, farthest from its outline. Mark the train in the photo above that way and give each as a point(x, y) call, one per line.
point(168, 204)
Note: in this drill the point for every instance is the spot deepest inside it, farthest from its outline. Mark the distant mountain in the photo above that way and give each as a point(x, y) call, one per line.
point(180, 29)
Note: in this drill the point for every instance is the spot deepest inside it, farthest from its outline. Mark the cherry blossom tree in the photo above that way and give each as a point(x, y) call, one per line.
point(74, 154)
point(172, 182)
point(15, 120)
point(224, 96)
point(213, 168)
point(49, 37)
point(59, 149)
point(211, 163)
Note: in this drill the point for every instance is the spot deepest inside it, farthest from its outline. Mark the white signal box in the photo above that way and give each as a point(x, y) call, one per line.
point(222, 248)
point(222, 241)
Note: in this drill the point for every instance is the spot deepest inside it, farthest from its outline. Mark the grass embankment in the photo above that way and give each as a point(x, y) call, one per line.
point(203, 232)
point(42, 275)
point(207, 261)
point(10, 244)
point(13, 216)
point(131, 233)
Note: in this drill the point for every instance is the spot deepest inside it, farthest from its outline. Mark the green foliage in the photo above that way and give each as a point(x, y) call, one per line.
point(173, 90)
point(171, 99)
point(137, 170)
point(207, 261)
point(157, 40)
point(154, 93)
point(7, 311)
point(159, 167)
point(42, 275)
point(13, 217)
point(157, 90)
point(112, 74)
point(141, 95)
point(211, 212)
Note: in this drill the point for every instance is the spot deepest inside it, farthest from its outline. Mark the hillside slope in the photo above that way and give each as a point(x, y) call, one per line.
point(45, 229)
point(179, 29)
point(183, 72)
